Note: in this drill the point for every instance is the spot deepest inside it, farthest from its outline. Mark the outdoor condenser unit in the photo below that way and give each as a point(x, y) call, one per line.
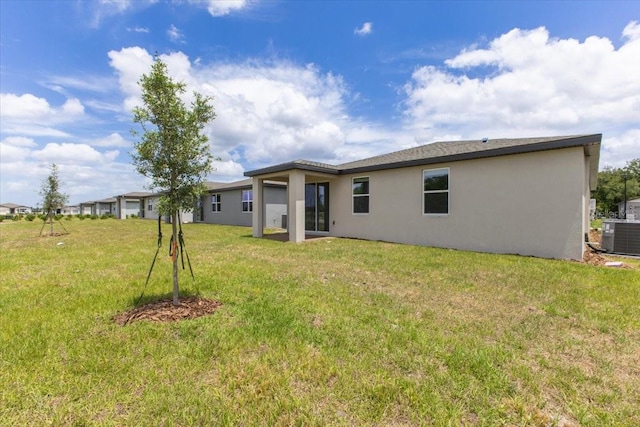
point(622, 237)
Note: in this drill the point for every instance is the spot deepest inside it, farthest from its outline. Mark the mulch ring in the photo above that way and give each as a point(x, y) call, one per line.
point(165, 311)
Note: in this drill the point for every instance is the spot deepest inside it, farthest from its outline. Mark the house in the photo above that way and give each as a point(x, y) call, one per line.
point(633, 209)
point(232, 204)
point(13, 209)
point(69, 210)
point(527, 196)
point(149, 210)
point(99, 207)
point(130, 204)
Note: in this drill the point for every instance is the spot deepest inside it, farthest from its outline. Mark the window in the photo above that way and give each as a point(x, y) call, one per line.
point(150, 207)
point(436, 191)
point(360, 190)
point(247, 200)
point(216, 204)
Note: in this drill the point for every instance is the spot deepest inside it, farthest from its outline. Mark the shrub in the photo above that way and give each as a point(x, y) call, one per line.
point(43, 217)
point(17, 217)
point(30, 217)
point(93, 216)
point(68, 217)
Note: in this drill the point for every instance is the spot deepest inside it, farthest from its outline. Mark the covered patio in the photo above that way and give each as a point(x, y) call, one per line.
point(307, 198)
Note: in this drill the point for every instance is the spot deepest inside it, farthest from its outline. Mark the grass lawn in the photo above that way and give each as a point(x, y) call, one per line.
point(328, 332)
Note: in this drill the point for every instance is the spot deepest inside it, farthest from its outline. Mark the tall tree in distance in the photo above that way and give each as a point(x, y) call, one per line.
point(52, 198)
point(172, 151)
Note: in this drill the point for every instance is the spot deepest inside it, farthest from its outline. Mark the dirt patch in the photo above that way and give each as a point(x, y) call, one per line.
point(595, 236)
point(165, 311)
point(592, 257)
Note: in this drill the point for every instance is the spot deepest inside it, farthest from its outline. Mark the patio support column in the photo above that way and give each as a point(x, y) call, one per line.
point(258, 208)
point(295, 220)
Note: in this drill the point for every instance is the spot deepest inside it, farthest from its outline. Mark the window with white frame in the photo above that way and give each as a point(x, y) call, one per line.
point(435, 191)
point(360, 191)
point(216, 203)
point(247, 201)
point(150, 207)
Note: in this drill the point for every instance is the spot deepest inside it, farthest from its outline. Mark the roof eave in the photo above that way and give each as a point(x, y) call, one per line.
point(291, 166)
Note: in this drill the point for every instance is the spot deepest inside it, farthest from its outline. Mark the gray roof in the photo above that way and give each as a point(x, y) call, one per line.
point(12, 205)
point(445, 151)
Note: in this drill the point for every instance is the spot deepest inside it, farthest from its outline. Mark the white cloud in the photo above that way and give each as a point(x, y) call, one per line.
point(103, 9)
point(616, 151)
point(113, 140)
point(70, 153)
point(221, 7)
point(366, 29)
point(138, 29)
point(539, 86)
point(175, 35)
point(632, 31)
point(269, 112)
point(33, 116)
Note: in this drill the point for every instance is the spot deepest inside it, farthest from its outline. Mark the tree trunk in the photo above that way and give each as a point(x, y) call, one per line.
point(50, 223)
point(174, 252)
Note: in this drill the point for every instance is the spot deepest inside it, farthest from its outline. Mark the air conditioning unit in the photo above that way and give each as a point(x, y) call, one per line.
point(621, 237)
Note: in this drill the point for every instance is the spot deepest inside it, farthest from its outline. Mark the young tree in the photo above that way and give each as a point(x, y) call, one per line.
point(52, 198)
point(172, 151)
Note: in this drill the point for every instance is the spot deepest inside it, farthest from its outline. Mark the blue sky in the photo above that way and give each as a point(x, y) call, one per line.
point(319, 80)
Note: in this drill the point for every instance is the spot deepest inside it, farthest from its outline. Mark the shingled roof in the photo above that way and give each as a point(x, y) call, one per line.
point(440, 152)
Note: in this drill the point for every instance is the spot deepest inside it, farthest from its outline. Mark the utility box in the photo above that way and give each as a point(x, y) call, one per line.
point(621, 237)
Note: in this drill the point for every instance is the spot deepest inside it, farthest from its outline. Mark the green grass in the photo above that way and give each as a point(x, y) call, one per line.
point(328, 332)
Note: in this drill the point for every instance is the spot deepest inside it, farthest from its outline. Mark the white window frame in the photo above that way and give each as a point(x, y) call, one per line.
point(149, 207)
point(353, 196)
point(249, 201)
point(217, 204)
point(448, 191)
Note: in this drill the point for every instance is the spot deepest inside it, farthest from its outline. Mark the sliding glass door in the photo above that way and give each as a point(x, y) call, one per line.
point(316, 206)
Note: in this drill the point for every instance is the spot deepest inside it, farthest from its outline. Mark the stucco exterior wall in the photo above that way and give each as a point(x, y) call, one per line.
point(275, 199)
point(153, 213)
point(231, 209)
point(529, 204)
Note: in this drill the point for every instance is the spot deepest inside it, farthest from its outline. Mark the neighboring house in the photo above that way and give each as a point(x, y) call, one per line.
point(69, 210)
point(232, 204)
point(633, 209)
point(527, 196)
point(150, 209)
point(99, 207)
point(130, 204)
point(13, 209)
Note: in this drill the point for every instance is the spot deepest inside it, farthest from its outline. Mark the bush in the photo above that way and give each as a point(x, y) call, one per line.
point(30, 217)
point(93, 216)
point(80, 216)
point(107, 216)
point(68, 217)
point(43, 217)
point(17, 217)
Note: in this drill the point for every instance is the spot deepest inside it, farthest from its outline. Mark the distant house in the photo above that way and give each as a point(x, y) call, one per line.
point(130, 204)
point(527, 196)
point(13, 209)
point(232, 204)
point(150, 209)
point(99, 207)
point(633, 209)
point(69, 210)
